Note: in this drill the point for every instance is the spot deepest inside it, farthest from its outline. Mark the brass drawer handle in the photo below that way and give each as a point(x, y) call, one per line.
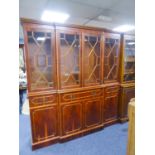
point(72, 96)
point(93, 93)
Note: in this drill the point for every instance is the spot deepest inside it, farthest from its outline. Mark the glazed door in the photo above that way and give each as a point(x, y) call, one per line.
point(69, 51)
point(40, 57)
point(111, 57)
point(91, 51)
point(129, 59)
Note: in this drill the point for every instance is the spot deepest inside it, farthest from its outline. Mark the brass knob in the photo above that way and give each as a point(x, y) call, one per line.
point(72, 96)
point(94, 93)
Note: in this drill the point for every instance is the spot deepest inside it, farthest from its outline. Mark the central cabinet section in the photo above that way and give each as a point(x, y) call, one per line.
point(79, 62)
point(81, 111)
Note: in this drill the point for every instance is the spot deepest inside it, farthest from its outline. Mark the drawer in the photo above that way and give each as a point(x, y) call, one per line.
point(112, 90)
point(43, 100)
point(67, 97)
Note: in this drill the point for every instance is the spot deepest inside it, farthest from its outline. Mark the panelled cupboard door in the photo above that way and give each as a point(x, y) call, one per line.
point(111, 103)
point(69, 51)
point(92, 112)
point(91, 52)
point(111, 57)
point(71, 117)
point(128, 94)
point(44, 123)
point(40, 57)
point(111, 107)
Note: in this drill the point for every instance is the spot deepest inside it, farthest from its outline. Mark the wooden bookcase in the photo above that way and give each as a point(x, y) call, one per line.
point(74, 84)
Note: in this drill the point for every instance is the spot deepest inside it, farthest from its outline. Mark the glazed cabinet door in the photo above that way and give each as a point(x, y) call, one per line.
point(129, 59)
point(71, 118)
point(92, 113)
point(40, 57)
point(111, 57)
point(69, 52)
point(91, 51)
point(111, 104)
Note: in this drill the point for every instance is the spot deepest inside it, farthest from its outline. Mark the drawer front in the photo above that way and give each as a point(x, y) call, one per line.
point(43, 100)
point(110, 91)
point(68, 97)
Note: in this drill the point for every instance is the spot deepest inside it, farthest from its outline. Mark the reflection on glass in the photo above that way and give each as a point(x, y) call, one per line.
point(129, 60)
point(21, 58)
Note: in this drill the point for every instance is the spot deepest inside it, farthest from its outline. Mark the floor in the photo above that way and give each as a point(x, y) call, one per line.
point(109, 141)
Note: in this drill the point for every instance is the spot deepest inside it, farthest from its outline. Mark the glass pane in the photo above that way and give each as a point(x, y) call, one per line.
point(40, 58)
point(92, 60)
point(129, 60)
point(69, 58)
point(111, 51)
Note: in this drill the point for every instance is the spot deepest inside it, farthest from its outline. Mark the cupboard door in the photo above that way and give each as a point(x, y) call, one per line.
point(128, 93)
point(111, 107)
point(71, 117)
point(92, 114)
point(111, 103)
point(111, 57)
point(40, 54)
point(91, 58)
point(44, 123)
point(69, 58)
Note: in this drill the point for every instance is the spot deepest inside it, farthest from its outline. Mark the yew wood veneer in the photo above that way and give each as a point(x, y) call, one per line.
point(74, 80)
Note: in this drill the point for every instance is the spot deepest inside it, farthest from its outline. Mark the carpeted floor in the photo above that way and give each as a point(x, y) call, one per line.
point(110, 141)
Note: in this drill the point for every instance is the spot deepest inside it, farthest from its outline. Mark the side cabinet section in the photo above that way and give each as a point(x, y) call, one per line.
point(111, 104)
point(44, 120)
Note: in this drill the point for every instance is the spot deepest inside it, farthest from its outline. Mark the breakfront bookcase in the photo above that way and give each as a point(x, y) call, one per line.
point(76, 78)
